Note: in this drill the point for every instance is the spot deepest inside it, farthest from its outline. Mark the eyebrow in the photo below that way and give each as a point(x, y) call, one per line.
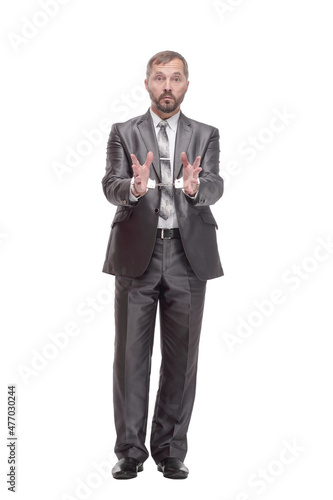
point(161, 73)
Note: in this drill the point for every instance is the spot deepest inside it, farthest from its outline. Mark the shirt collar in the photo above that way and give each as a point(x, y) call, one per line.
point(172, 121)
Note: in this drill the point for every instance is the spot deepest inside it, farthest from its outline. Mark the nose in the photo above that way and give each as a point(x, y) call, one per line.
point(167, 86)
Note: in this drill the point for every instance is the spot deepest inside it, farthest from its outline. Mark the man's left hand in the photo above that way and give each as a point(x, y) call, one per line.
point(190, 174)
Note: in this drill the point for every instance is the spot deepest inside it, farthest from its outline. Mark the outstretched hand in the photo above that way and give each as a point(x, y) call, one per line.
point(141, 173)
point(190, 174)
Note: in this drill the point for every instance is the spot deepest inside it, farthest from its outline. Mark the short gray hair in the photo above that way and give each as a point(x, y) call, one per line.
point(163, 58)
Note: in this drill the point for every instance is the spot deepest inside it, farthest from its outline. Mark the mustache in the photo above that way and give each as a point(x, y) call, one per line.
point(167, 94)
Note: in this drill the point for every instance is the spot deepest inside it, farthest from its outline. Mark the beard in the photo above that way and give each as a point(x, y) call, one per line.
point(166, 106)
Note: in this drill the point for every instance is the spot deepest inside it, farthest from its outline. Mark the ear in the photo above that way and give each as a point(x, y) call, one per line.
point(146, 85)
point(188, 83)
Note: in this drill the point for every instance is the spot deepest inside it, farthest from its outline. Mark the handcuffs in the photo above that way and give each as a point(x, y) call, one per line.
point(152, 184)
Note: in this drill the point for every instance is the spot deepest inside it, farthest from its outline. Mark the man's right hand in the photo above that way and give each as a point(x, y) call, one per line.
point(141, 174)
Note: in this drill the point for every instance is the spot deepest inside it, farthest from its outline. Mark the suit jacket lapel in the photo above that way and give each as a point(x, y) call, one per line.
point(183, 137)
point(146, 128)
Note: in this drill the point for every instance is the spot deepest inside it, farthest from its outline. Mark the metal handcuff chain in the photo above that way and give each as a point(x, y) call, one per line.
point(152, 184)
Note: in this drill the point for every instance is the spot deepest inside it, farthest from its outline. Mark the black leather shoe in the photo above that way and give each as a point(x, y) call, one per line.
point(127, 468)
point(173, 468)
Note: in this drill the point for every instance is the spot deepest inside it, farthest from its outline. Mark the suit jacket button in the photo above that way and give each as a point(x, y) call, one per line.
point(157, 210)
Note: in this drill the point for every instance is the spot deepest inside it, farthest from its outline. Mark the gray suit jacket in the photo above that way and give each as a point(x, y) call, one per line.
point(133, 230)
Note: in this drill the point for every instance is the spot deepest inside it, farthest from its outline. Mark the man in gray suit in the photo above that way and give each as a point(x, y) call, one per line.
point(162, 173)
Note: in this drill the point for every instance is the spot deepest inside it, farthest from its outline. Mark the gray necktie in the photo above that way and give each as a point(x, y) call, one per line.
point(167, 205)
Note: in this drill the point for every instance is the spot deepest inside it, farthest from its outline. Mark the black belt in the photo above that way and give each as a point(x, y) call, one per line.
point(168, 234)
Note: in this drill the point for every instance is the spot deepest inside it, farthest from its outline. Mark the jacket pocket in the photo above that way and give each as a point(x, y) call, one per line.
point(121, 215)
point(208, 218)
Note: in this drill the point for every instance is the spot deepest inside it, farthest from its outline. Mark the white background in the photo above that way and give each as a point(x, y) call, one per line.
point(85, 65)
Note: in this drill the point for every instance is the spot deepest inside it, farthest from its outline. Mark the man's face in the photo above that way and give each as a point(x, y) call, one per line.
point(167, 86)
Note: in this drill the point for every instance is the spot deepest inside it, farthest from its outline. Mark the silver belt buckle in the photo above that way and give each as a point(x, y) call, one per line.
point(164, 237)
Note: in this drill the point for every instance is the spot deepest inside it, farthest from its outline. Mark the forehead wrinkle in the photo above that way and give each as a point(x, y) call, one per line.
point(176, 66)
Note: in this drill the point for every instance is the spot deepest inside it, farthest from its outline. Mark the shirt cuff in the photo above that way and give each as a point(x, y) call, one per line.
point(133, 198)
point(193, 197)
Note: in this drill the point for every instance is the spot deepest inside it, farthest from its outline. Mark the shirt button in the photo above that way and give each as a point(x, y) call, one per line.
point(156, 210)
